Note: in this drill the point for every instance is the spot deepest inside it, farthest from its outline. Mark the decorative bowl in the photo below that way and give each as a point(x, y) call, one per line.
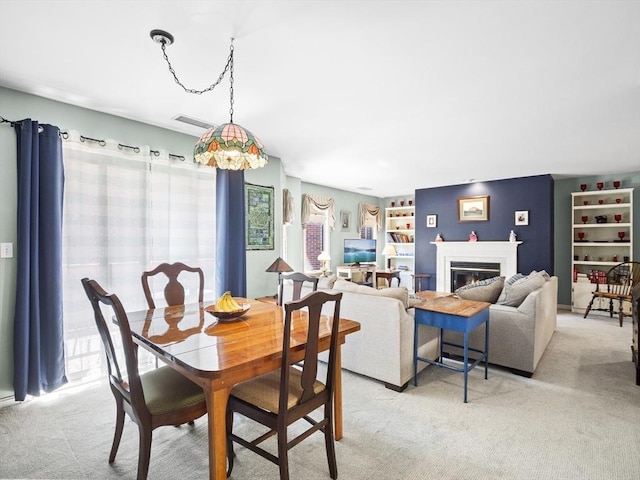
point(221, 315)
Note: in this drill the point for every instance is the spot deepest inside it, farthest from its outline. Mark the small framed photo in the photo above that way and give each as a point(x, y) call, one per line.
point(345, 220)
point(522, 217)
point(432, 221)
point(473, 209)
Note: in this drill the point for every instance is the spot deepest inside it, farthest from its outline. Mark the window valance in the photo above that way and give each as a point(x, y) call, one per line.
point(317, 204)
point(365, 209)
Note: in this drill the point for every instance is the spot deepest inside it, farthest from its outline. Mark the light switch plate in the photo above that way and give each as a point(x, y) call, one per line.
point(6, 250)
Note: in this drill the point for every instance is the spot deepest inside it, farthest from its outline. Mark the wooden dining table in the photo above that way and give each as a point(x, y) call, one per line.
point(218, 354)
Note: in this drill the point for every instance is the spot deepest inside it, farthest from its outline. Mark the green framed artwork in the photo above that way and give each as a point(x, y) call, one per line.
point(259, 216)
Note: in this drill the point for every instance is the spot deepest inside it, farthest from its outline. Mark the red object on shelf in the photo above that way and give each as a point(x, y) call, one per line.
point(598, 276)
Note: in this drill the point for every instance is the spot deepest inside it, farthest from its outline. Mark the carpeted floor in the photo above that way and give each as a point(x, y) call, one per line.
point(577, 418)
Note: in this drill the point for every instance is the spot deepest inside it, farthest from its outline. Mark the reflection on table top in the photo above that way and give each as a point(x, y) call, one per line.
point(206, 346)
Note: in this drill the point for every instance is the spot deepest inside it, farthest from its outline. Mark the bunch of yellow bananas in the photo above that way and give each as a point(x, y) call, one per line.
point(226, 303)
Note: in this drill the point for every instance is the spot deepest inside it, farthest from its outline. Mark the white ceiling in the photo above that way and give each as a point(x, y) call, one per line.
point(389, 95)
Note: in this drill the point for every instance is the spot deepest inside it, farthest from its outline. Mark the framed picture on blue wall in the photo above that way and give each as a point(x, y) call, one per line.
point(522, 217)
point(473, 209)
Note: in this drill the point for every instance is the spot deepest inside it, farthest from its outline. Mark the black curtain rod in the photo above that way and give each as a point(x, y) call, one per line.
point(102, 143)
point(10, 122)
point(14, 124)
point(121, 146)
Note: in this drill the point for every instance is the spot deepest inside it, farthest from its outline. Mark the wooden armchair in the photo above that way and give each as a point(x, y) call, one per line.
point(159, 397)
point(282, 397)
point(620, 281)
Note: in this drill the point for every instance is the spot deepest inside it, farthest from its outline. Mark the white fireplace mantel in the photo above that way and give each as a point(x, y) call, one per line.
point(504, 253)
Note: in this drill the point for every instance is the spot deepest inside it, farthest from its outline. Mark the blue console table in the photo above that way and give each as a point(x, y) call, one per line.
point(444, 311)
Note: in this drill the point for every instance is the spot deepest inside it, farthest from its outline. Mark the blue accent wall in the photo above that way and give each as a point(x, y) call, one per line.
point(534, 194)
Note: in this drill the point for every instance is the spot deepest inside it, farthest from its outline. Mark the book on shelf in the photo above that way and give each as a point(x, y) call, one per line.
point(397, 237)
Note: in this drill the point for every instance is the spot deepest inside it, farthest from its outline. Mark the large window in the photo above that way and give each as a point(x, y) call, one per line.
point(124, 213)
point(318, 219)
point(316, 239)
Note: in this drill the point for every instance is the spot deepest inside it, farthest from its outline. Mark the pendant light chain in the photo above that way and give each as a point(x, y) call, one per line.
point(230, 65)
point(163, 44)
point(227, 146)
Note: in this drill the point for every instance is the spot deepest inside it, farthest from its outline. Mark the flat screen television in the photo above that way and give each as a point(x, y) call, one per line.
point(359, 250)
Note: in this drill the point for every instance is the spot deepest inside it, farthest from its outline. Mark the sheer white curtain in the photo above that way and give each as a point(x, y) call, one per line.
point(125, 211)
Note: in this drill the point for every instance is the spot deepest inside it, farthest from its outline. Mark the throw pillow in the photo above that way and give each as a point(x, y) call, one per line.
point(413, 301)
point(347, 286)
point(399, 293)
point(515, 293)
point(327, 282)
point(509, 281)
point(484, 291)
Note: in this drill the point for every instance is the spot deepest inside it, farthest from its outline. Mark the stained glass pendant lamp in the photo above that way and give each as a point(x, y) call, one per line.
point(228, 146)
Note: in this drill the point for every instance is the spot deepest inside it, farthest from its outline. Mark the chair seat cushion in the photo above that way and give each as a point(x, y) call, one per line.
point(166, 390)
point(264, 391)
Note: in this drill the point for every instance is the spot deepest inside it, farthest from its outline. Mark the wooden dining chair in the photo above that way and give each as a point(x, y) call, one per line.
point(620, 281)
point(159, 397)
point(298, 280)
point(289, 394)
point(174, 290)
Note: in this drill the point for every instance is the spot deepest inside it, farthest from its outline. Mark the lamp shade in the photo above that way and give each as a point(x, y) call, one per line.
point(230, 147)
point(324, 257)
point(279, 265)
point(389, 250)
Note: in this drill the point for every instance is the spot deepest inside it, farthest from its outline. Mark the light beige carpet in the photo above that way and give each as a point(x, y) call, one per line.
point(577, 418)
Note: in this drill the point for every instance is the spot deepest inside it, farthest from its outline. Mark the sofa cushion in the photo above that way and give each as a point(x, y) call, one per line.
point(514, 294)
point(399, 293)
point(487, 290)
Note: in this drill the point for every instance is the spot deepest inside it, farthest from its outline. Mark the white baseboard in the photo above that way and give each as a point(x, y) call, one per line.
point(7, 401)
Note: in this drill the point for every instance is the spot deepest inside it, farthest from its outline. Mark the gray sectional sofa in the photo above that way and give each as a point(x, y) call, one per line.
point(518, 335)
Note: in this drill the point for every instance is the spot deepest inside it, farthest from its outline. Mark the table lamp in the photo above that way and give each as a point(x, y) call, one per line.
point(279, 265)
point(324, 257)
point(389, 250)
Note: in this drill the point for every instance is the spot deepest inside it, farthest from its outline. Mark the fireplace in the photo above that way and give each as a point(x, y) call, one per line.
point(504, 254)
point(464, 273)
